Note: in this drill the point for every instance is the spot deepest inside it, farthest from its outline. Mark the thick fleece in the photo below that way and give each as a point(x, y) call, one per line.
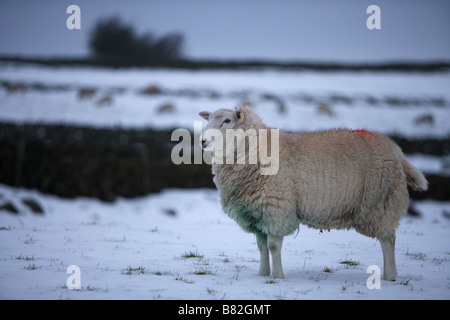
point(335, 179)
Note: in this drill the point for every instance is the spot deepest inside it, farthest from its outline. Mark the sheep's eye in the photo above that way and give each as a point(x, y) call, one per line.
point(227, 120)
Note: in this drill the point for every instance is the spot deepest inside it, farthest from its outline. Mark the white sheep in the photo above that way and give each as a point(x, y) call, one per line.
point(335, 179)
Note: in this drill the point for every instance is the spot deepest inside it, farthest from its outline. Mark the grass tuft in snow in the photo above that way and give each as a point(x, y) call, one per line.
point(404, 282)
point(162, 273)
point(211, 291)
point(183, 279)
point(272, 281)
point(134, 270)
point(32, 266)
point(191, 254)
point(27, 258)
point(350, 263)
point(202, 272)
point(416, 255)
point(327, 270)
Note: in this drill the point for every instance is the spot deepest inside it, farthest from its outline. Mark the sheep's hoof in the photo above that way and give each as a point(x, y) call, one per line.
point(278, 276)
point(389, 278)
point(264, 273)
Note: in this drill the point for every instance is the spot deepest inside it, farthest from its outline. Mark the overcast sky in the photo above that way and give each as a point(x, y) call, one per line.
point(281, 30)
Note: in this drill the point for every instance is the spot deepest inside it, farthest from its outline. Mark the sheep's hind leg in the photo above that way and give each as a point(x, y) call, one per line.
point(274, 243)
point(388, 247)
point(264, 266)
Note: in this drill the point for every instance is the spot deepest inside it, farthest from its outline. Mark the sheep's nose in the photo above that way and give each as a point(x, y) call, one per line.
point(204, 142)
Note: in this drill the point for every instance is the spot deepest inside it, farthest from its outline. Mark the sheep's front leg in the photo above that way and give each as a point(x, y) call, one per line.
point(264, 266)
point(274, 243)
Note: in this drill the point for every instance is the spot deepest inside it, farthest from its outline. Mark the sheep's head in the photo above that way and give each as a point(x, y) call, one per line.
point(220, 120)
point(226, 126)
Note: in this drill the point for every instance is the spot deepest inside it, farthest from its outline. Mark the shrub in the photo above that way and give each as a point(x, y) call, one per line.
point(115, 41)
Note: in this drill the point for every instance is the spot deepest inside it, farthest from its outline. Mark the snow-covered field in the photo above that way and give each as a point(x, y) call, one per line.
point(179, 245)
point(411, 104)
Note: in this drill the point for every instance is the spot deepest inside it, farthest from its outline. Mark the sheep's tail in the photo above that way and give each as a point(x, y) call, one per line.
point(414, 177)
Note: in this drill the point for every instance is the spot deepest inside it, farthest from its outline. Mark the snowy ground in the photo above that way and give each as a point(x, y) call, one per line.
point(381, 101)
point(142, 248)
point(179, 244)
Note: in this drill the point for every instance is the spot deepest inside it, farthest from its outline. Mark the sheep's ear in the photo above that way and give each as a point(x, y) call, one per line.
point(239, 114)
point(205, 115)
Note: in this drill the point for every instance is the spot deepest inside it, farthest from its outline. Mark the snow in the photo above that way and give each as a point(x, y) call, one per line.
point(429, 164)
point(381, 101)
point(139, 248)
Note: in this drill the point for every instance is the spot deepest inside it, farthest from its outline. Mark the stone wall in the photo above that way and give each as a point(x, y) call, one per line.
point(71, 161)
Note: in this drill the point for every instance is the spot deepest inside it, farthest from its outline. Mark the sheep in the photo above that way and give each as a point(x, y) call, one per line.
point(334, 179)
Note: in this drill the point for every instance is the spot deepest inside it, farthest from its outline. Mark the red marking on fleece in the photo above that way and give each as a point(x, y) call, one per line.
point(363, 132)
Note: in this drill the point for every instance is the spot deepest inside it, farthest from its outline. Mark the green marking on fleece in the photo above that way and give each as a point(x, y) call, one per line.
point(245, 217)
